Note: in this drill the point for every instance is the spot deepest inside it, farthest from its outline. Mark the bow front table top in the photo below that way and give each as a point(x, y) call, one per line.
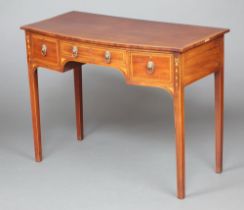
point(148, 53)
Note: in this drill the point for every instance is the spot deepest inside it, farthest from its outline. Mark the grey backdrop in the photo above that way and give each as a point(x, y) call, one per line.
point(127, 160)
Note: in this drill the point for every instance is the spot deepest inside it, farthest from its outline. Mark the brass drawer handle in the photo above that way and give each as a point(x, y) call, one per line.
point(107, 56)
point(44, 50)
point(150, 67)
point(74, 51)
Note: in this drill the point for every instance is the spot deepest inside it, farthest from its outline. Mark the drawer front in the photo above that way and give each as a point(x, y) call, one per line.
point(151, 67)
point(93, 54)
point(108, 56)
point(45, 49)
point(76, 51)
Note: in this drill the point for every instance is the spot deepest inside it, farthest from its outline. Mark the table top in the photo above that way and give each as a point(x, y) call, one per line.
point(125, 32)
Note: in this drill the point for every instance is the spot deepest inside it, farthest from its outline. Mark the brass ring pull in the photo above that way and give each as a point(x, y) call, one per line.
point(75, 51)
point(44, 50)
point(150, 67)
point(107, 56)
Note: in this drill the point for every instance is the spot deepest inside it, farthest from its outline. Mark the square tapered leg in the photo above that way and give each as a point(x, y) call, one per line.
point(35, 109)
point(180, 142)
point(78, 101)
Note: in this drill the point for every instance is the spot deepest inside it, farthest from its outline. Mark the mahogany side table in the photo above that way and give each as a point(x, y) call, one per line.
point(148, 53)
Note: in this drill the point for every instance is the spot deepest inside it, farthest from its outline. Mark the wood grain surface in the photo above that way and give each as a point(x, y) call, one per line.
point(125, 32)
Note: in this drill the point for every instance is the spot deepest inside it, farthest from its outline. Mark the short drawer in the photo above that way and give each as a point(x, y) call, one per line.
point(75, 51)
point(151, 67)
point(108, 56)
point(44, 49)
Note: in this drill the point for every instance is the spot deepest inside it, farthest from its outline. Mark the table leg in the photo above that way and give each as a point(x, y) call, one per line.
point(78, 101)
point(34, 97)
point(219, 112)
point(180, 142)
